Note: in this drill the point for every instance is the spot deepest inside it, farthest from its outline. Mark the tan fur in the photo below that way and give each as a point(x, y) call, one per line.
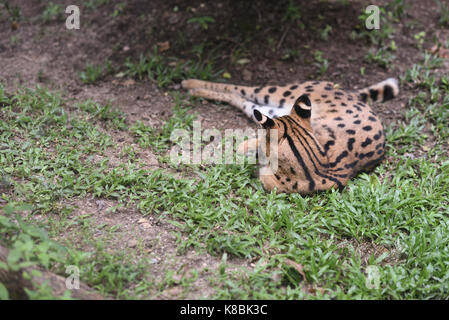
point(322, 146)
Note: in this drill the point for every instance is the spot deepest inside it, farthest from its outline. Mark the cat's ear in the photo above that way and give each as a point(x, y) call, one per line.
point(303, 107)
point(263, 119)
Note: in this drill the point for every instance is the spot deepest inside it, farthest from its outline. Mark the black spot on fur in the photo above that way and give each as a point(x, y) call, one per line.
point(374, 94)
point(243, 92)
point(295, 186)
point(350, 131)
point(351, 165)
point(323, 181)
point(330, 131)
point(286, 93)
point(367, 128)
point(272, 90)
point(378, 135)
point(324, 96)
point(281, 103)
point(341, 125)
point(388, 93)
point(350, 143)
point(357, 122)
point(266, 99)
point(363, 97)
point(257, 90)
point(292, 170)
point(342, 155)
point(343, 104)
point(349, 111)
point(366, 143)
point(293, 87)
point(370, 118)
point(338, 119)
point(328, 144)
point(366, 155)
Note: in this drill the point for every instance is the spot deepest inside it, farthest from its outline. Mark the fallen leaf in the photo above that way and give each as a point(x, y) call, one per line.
point(243, 61)
point(163, 46)
point(439, 51)
point(227, 75)
point(312, 289)
point(129, 83)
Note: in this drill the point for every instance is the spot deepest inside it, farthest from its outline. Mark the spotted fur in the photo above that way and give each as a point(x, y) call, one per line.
point(326, 135)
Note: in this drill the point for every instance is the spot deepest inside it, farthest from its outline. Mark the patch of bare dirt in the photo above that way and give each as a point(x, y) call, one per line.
point(48, 54)
point(150, 238)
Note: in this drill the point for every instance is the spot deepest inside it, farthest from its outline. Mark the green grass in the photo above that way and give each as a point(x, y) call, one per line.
point(51, 154)
point(14, 11)
point(52, 12)
point(444, 12)
point(55, 151)
point(381, 40)
point(164, 70)
point(94, 73)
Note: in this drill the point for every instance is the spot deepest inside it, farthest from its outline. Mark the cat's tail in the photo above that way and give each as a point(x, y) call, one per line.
point(382, 91)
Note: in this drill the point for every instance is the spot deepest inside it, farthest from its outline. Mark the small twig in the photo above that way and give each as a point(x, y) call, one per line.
point(283, 36)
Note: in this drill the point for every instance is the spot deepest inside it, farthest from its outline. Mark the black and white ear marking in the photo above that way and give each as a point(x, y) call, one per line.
point(263, 119)
point(303, 106)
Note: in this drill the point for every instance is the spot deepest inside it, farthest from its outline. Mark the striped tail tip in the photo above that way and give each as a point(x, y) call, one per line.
point(382, 91)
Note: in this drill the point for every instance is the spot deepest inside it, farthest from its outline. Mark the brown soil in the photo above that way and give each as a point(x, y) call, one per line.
point(48, 54)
